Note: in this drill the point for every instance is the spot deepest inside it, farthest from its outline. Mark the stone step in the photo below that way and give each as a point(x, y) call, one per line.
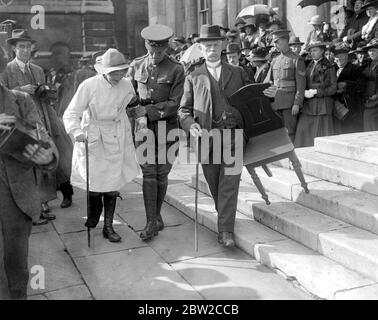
point(354, 248)
point(315, 273)
point(350, 173)
point(349, 205)
point(357, 146)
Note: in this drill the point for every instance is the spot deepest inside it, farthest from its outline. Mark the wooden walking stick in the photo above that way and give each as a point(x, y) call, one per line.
point(196, 196)
point(87, 181)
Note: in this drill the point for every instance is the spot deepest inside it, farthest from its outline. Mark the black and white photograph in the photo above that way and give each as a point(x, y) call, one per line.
point(189, 155)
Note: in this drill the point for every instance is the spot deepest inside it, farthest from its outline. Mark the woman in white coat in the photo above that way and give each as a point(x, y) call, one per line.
point(98, 111)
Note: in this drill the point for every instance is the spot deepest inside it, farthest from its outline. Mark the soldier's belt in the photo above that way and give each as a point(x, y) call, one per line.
point(285, 84)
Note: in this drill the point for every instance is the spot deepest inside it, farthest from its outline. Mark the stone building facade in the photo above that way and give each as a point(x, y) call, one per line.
point(186, 16)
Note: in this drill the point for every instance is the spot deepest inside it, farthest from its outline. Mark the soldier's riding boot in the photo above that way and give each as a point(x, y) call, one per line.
point(95, 209)
point(149, 196)
point(162, 190)
point(110, 201)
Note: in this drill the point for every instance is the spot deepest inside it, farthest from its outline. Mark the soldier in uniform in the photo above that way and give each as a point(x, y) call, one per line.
point(159, 80)
point(288, 73)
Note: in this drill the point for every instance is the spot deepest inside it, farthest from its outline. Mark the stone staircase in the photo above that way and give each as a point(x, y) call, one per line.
point(335, 226)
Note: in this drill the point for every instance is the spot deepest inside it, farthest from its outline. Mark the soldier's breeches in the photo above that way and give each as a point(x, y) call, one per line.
point(290, 121)
point(16, 229)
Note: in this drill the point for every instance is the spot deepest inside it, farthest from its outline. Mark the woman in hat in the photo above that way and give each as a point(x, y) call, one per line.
point(250, 30)
point(316, 118)
point(259, 62)
point(369, 29)
point(97, 113)
point(370, 76)
point(316, 34)
point(348, 100)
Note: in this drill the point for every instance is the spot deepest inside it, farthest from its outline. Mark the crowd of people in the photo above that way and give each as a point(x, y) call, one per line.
point(327, 82)
point(324, 86)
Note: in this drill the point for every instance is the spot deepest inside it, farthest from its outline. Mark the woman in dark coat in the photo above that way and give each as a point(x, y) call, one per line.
point(316, 115)
point(369, 76)
point(349, 94)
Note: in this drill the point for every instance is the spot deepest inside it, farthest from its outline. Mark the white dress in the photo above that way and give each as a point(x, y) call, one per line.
point(99, 109)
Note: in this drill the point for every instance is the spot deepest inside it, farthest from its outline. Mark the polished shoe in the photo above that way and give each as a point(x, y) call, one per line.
point(40, 222)
point(159, 223)
point(149, 232)
point(45, 207)
point(110, 200)
point(226, 239)
point(66, 203)
point(47, 216)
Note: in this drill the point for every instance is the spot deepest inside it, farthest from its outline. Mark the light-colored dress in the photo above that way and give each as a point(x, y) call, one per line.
point(99, 109)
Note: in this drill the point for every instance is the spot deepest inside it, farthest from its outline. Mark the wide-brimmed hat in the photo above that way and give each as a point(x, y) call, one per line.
point(250, 22)
point(316, 20)
point(315, 44)
point(210, 32)
point(258, 55)
point(112, 60)
point(370, 3)
point(340, 48)
point(233, 47)
point(295, 41)
point(239, 21)
point(19, 35)
point(372, 44)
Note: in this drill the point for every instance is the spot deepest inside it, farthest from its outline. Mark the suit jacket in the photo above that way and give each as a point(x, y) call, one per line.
point(322, 78)
point(196, 103)
point(19, 177)
point(13, 77)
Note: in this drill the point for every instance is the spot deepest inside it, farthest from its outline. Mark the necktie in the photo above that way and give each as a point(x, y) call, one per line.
point(29, 75)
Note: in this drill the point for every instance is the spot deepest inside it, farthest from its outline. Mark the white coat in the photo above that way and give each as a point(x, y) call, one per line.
point(99, 109)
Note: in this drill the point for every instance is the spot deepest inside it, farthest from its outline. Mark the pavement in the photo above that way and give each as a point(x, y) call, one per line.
point(167, 268)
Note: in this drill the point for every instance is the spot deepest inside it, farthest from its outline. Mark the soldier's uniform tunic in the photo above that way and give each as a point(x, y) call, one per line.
point(288, 73)
point(160, 88)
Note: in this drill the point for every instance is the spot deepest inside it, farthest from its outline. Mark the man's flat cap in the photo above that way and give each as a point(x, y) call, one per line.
point(157, 35)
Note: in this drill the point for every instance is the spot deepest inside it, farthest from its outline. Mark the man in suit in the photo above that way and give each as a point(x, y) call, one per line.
point(288, 73)
point(19, 195)
point(20, 74)
point(205, 107)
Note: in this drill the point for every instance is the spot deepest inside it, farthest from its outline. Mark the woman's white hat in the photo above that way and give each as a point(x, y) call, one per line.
point(111, 60)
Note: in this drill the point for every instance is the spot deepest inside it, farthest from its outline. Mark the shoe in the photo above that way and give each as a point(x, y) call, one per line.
point(45, 207)
point(110, 200)
point(40, 222)
point(150, 231)
point(159, 223)
point(66, 203)
point(226, 239)
point(47, 216)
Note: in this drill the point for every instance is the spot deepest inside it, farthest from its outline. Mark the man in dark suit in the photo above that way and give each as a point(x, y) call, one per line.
point(19, 194)
point(205, 107)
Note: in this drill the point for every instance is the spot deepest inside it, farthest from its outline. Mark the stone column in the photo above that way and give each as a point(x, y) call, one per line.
point(234, 7)
point(219, 11)
point(157, 11)
point(191, 16)
point(179, 18)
